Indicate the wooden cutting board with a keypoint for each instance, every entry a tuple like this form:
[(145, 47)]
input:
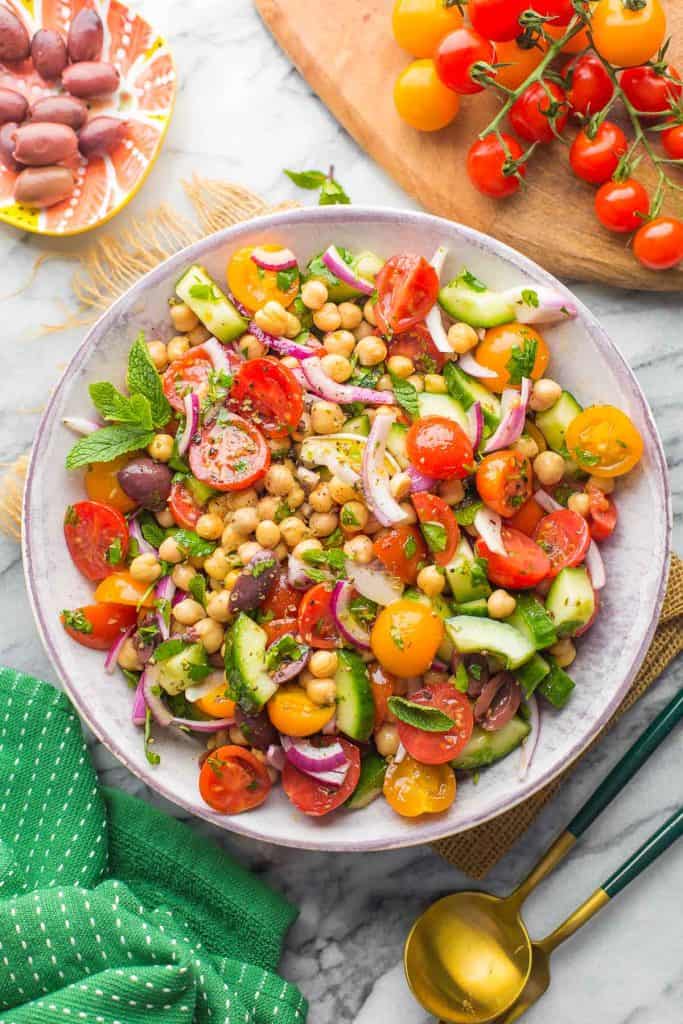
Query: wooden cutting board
[(346, 52)]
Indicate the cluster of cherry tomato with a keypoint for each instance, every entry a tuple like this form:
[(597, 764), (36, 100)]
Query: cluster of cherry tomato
[(618, 53)]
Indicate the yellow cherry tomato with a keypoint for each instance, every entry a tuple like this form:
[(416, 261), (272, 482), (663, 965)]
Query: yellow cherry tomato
[(627, 34), (412, 788), (603, 441), (517, 62), (421, 98), (509, 347), (406, 636), (420, 25), (294, 714), (121, 588), (101, 484), (216, 703), (253, 286)]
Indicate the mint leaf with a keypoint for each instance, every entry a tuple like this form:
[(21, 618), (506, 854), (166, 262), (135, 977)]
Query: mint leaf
[(307, 179), (409, 546), (421, 717), (192, 545), (332, 194), (112, 405), (169, 648), (142, 379), (107, 444), (466, 512), (197, 587), (406, 395), (334, 559), (151, 531), (521, 361), (435, 535)]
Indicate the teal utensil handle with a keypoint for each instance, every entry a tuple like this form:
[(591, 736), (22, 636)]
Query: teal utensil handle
[(660, 841), (634, 758)]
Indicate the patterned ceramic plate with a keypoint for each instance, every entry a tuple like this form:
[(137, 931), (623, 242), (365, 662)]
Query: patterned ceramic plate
[(145, 99)]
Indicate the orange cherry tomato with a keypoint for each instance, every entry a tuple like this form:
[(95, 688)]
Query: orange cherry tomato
[(509, 348), (406, 636), (121, 588), (439, 526), (421, 98), (401, 550), (527, 517), (101, 484), (504, 481), (420, 25), (603, 441), (316, 622), (412, 788), (293, 713), (519, 62), (253, 286), (233, 780), (626, 34), (383, 685), (98, 625), (216, 704), (439, 747)]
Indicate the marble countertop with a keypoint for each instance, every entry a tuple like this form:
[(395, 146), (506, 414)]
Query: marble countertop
[(345, 950)]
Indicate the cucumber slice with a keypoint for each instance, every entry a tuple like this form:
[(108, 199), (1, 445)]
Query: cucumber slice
[(553, 423), (486, 747), (476, 306), (479, 608), (200, 491), (531, 619), (372, 771), (175, 673), (465, 575), (571, 600), (396, 444), (358, 425), (355, 705), (215, 310), (245, 665), (442, 405), (467, 391), (346, 448), (529, 676), (557, 686), (471, 635)]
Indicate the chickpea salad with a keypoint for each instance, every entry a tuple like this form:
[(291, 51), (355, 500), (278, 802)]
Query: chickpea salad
[(344, 526)]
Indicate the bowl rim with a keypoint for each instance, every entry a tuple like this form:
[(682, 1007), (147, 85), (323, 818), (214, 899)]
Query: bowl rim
[(426, 831)]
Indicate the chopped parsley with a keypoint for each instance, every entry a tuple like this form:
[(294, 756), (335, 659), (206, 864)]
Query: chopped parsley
[(363, 610), (284, 649), (169, 648), (282, 511), (409, 546), (586, 458), (530, 298), (460, 679), (114, 553), (192, 545), (348, 516), (205, 292), (151, 756), (436, 536), (522, 360), (397, 638), (475, 671), (286, 279), (77, 621), (479, 572), (197, 587), (258, 568), (472, 281), (321, 563)]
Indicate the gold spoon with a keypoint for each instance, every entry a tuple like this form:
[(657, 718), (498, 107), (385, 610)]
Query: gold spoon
[(469, 959)]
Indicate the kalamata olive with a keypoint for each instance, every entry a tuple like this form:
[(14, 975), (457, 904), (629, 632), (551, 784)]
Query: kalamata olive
[(42, 143), (147, 482), (498, 701), (100, 136), (60, 110), (258, 730), (14, 40), (91, 78), (477, 673), (254, 582), (7, 132), (86, 35), (43, 186), (13, 106), (48, 51)]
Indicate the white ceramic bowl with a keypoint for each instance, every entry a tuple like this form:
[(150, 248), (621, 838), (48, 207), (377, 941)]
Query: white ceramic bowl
[(584, 359)]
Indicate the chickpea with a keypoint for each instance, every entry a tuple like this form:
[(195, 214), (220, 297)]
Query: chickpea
[(400, 485), (435, 384), (363, 331), (371, 351), (604, 484), (158, 354), (279, 480), (198, 335), (322, 524), (401, 366), (217, 565), (359, 548), (231, 539), (386, 739), (563, 652), (296, 497), (462, 338), (251, 347), (323, 663), (272, 318), (280, 551), (549, 468), (409, 513), (237, 736), (369, 312), (303, 427), (218, 606), (339, 491), (267, 507), (339, 343), (247, 551), (326, 417), (310, 544), (452, 491), (177, 347), (544, 394), (188, 612), (145, 568), (268, 534), (418, 382), (183, 318), (321, 691), (293, 530), (354, 516), (337, 368), (217, 739), (384, 384), (314, 294), (320, 498), (165, 518), (245, 520), (181, 576), (128, 656), (209, 526), (290, 362), (231, 579), (210, 633), (430, 581), (501, 604), (351, 315), (327, 318), (293, 325), (170, 552), (526, 446), (161, 447), (579, 503)]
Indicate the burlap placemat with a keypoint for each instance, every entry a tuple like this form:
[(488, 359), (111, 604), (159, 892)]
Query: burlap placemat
[(108, 266)]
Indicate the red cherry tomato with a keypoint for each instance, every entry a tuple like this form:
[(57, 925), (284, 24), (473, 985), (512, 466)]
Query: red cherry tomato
[(497, 19), (417, 345), (401, 550), (649, 90), (282, 600), (596, 159), (97, 538), (268, 394), (622, 205), (315, 619), (407, 288), (98, 625), (658, 245), (383, 685), (538, 117), (489, 165), (561, 11), (440, 448), (433, 511), (602, 519), (504, 481), (184, 508), (439, 747), (233, 780), (523, 566), (230, 454), (316, 798), (672, 140), (457, 53), (277, 628), (527, 517), (564, 536), (591, 87), (191, 372)]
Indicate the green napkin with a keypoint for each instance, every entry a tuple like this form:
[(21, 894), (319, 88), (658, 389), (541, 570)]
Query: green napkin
[(111, 912)]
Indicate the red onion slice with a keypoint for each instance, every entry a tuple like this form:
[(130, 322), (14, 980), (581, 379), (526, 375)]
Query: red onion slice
[(283, 259), (595, 566), (284, 346), (420, 482), (317, 761), (342, 470), (160, 712), (513, 416), (165, 590), (221, 357), (374, 476), (488, 525), (324, 387), (470, 365), (135, 533), (531, 742), (191, 407), (350, 629), (111, 661), (475, 423), (547, 306), (336, 265), (207, 686), (297, 573), (330, 728), (434, 320), (546, 501), (80, 425), (204, 725), (139, 710), (275, 757), (374, 583)]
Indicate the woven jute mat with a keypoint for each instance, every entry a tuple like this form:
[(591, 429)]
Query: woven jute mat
[(108, 266)]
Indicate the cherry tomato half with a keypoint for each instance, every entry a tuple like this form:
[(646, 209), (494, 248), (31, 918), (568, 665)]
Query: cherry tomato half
[(658, 245), (417, 345), (233, 780), (602, 518), (591, 87), (439, 747), (596, 159), (293, 713), (98, 625), (512, 351), (267, 393), (422, 100), (626, 34), (253, 286), (401, 550), (101, 484), (457, 54), (527, 517), (672, 140), (316, 622), (97, 538), (183, 506), (603, 441), (407, 288), (383, 685), (622, 205), (497, 19), (523, 566), (439, 447), (650, 90), (406, 636), (504, 481), (411, 788), (420, 25), (316, 798), (121, 588), (537, 116), (492, 165), (216, 704), (282, 600), (191, 372), (564, 536), (439, 526), (231, 454)]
